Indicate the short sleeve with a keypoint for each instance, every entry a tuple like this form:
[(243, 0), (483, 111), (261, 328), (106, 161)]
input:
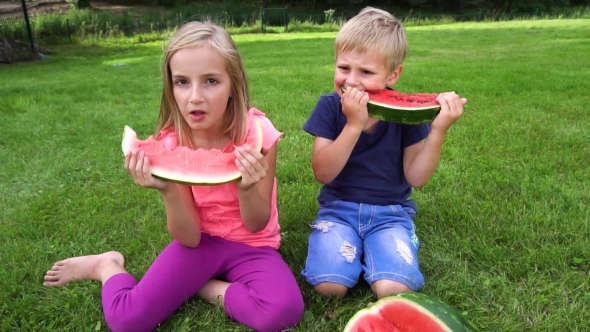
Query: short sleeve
[(270, 134), (412, 134), (168, 138), (323, 119)]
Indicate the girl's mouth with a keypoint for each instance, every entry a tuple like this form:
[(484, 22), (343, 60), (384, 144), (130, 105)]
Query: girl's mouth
[(196, 115)]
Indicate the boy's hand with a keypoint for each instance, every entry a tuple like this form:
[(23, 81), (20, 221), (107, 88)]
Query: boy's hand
[(451, 109), (138, 166), (354, 105), (253, 166)]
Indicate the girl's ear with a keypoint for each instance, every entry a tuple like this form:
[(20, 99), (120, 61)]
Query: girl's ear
[(394, 76)]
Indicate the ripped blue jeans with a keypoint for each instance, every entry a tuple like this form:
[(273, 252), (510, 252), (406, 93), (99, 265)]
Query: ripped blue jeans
[(350, 238)]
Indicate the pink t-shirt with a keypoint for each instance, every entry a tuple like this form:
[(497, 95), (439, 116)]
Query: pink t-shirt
[(218, 206)]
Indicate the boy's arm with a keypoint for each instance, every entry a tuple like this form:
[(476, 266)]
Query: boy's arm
[(421, 159), (329, 157)]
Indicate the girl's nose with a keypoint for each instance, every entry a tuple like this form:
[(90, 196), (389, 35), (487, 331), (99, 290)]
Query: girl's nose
[(196, 96)]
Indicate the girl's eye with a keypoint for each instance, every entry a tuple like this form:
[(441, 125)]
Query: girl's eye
[(211, 81), (180, 81)]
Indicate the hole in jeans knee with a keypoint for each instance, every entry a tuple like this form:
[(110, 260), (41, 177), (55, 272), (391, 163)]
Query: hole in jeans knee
[(348, 251), (404, 251), (323, 226)]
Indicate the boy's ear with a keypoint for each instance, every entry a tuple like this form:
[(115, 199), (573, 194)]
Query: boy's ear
[(394, 76)]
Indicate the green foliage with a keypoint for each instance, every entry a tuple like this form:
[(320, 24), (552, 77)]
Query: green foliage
[(79, 4), (503, 223)]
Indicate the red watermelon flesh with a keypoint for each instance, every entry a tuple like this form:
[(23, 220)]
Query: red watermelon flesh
[(188, 166), (399, 100), (412, 311)]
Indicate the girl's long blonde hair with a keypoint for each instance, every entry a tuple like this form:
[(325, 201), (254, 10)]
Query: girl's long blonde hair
[(206, 34)]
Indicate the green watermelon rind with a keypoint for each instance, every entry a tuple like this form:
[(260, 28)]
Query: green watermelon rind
[(411, 116), (440, 312), (129, 135)]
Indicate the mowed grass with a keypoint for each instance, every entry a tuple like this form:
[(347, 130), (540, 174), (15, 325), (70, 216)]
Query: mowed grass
[(503, 223)]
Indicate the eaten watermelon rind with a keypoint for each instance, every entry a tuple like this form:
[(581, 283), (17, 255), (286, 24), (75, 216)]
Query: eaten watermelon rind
[(447, 318), (129, 137)]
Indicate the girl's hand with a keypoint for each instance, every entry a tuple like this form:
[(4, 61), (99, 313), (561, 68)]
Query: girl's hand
[(451, 109), (354, 106), (252, 165), (138, 166)]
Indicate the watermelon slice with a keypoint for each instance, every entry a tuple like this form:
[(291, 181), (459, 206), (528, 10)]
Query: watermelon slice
[(188, 166), (416, 312), (395, 106)]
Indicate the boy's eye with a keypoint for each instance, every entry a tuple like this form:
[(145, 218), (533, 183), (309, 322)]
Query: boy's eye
[(343, 67), (366, 72)]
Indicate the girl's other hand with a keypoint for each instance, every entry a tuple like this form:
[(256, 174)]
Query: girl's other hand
[(138, 166), (252, 165)]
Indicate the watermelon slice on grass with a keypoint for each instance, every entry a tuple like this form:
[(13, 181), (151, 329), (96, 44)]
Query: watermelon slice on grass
[(416, 312), (188, 166)]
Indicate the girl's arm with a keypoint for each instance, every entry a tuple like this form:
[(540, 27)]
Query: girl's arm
[(181, 216), (255, 187)]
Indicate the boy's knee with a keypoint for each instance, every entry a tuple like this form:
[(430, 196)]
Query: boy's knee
[(384, 287), (331, 289)]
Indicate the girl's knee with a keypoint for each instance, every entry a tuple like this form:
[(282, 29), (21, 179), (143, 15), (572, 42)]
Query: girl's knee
[(282, 313), (331, 289), (384, 287)]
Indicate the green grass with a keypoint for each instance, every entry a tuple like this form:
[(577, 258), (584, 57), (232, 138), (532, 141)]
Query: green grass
[(504, 221)]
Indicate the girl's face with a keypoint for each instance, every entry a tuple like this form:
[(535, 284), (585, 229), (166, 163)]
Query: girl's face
[(201, 87), (364, 71)]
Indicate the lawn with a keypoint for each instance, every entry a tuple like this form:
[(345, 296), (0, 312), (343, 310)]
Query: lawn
[(504, 223)]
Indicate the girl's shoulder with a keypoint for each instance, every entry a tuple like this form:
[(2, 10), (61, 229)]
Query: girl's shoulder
[(168, 137), (270, 134)]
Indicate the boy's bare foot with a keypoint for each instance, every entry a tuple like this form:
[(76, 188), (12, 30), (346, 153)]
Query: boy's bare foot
[(93, 267)]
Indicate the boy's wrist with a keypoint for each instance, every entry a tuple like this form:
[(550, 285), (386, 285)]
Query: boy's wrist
[(354, 128)]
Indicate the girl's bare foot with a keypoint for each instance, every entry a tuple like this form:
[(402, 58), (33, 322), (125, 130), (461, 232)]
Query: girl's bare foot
[(94, 267)]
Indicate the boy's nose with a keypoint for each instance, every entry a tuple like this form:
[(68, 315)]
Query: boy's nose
[(352, 81)]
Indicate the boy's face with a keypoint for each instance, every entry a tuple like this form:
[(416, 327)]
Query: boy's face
[(363, 71)]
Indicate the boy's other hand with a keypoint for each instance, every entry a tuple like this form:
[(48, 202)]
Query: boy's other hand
[(354, 105), (451, 109)]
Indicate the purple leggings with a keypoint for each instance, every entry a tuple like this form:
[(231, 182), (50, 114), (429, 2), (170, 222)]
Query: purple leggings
[(263, 294)]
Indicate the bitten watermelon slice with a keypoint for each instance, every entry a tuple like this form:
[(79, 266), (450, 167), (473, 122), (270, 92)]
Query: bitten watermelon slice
[(188, 166), (416, 312), (395, 106)]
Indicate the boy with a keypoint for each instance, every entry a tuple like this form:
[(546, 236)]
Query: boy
[(368, 167)]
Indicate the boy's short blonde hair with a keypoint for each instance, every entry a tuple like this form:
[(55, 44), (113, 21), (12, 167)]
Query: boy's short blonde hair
[(374, 31)]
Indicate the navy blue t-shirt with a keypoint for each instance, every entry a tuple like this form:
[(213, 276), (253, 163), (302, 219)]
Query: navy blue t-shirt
[(374, 173)]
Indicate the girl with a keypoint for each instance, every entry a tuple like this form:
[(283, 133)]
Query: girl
[(225, 237)]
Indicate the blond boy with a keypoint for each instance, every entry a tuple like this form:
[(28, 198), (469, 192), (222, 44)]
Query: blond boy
[(369, 167)]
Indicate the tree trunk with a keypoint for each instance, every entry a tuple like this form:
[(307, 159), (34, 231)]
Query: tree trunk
[(291, 3), (509, 9), (264, 3)]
